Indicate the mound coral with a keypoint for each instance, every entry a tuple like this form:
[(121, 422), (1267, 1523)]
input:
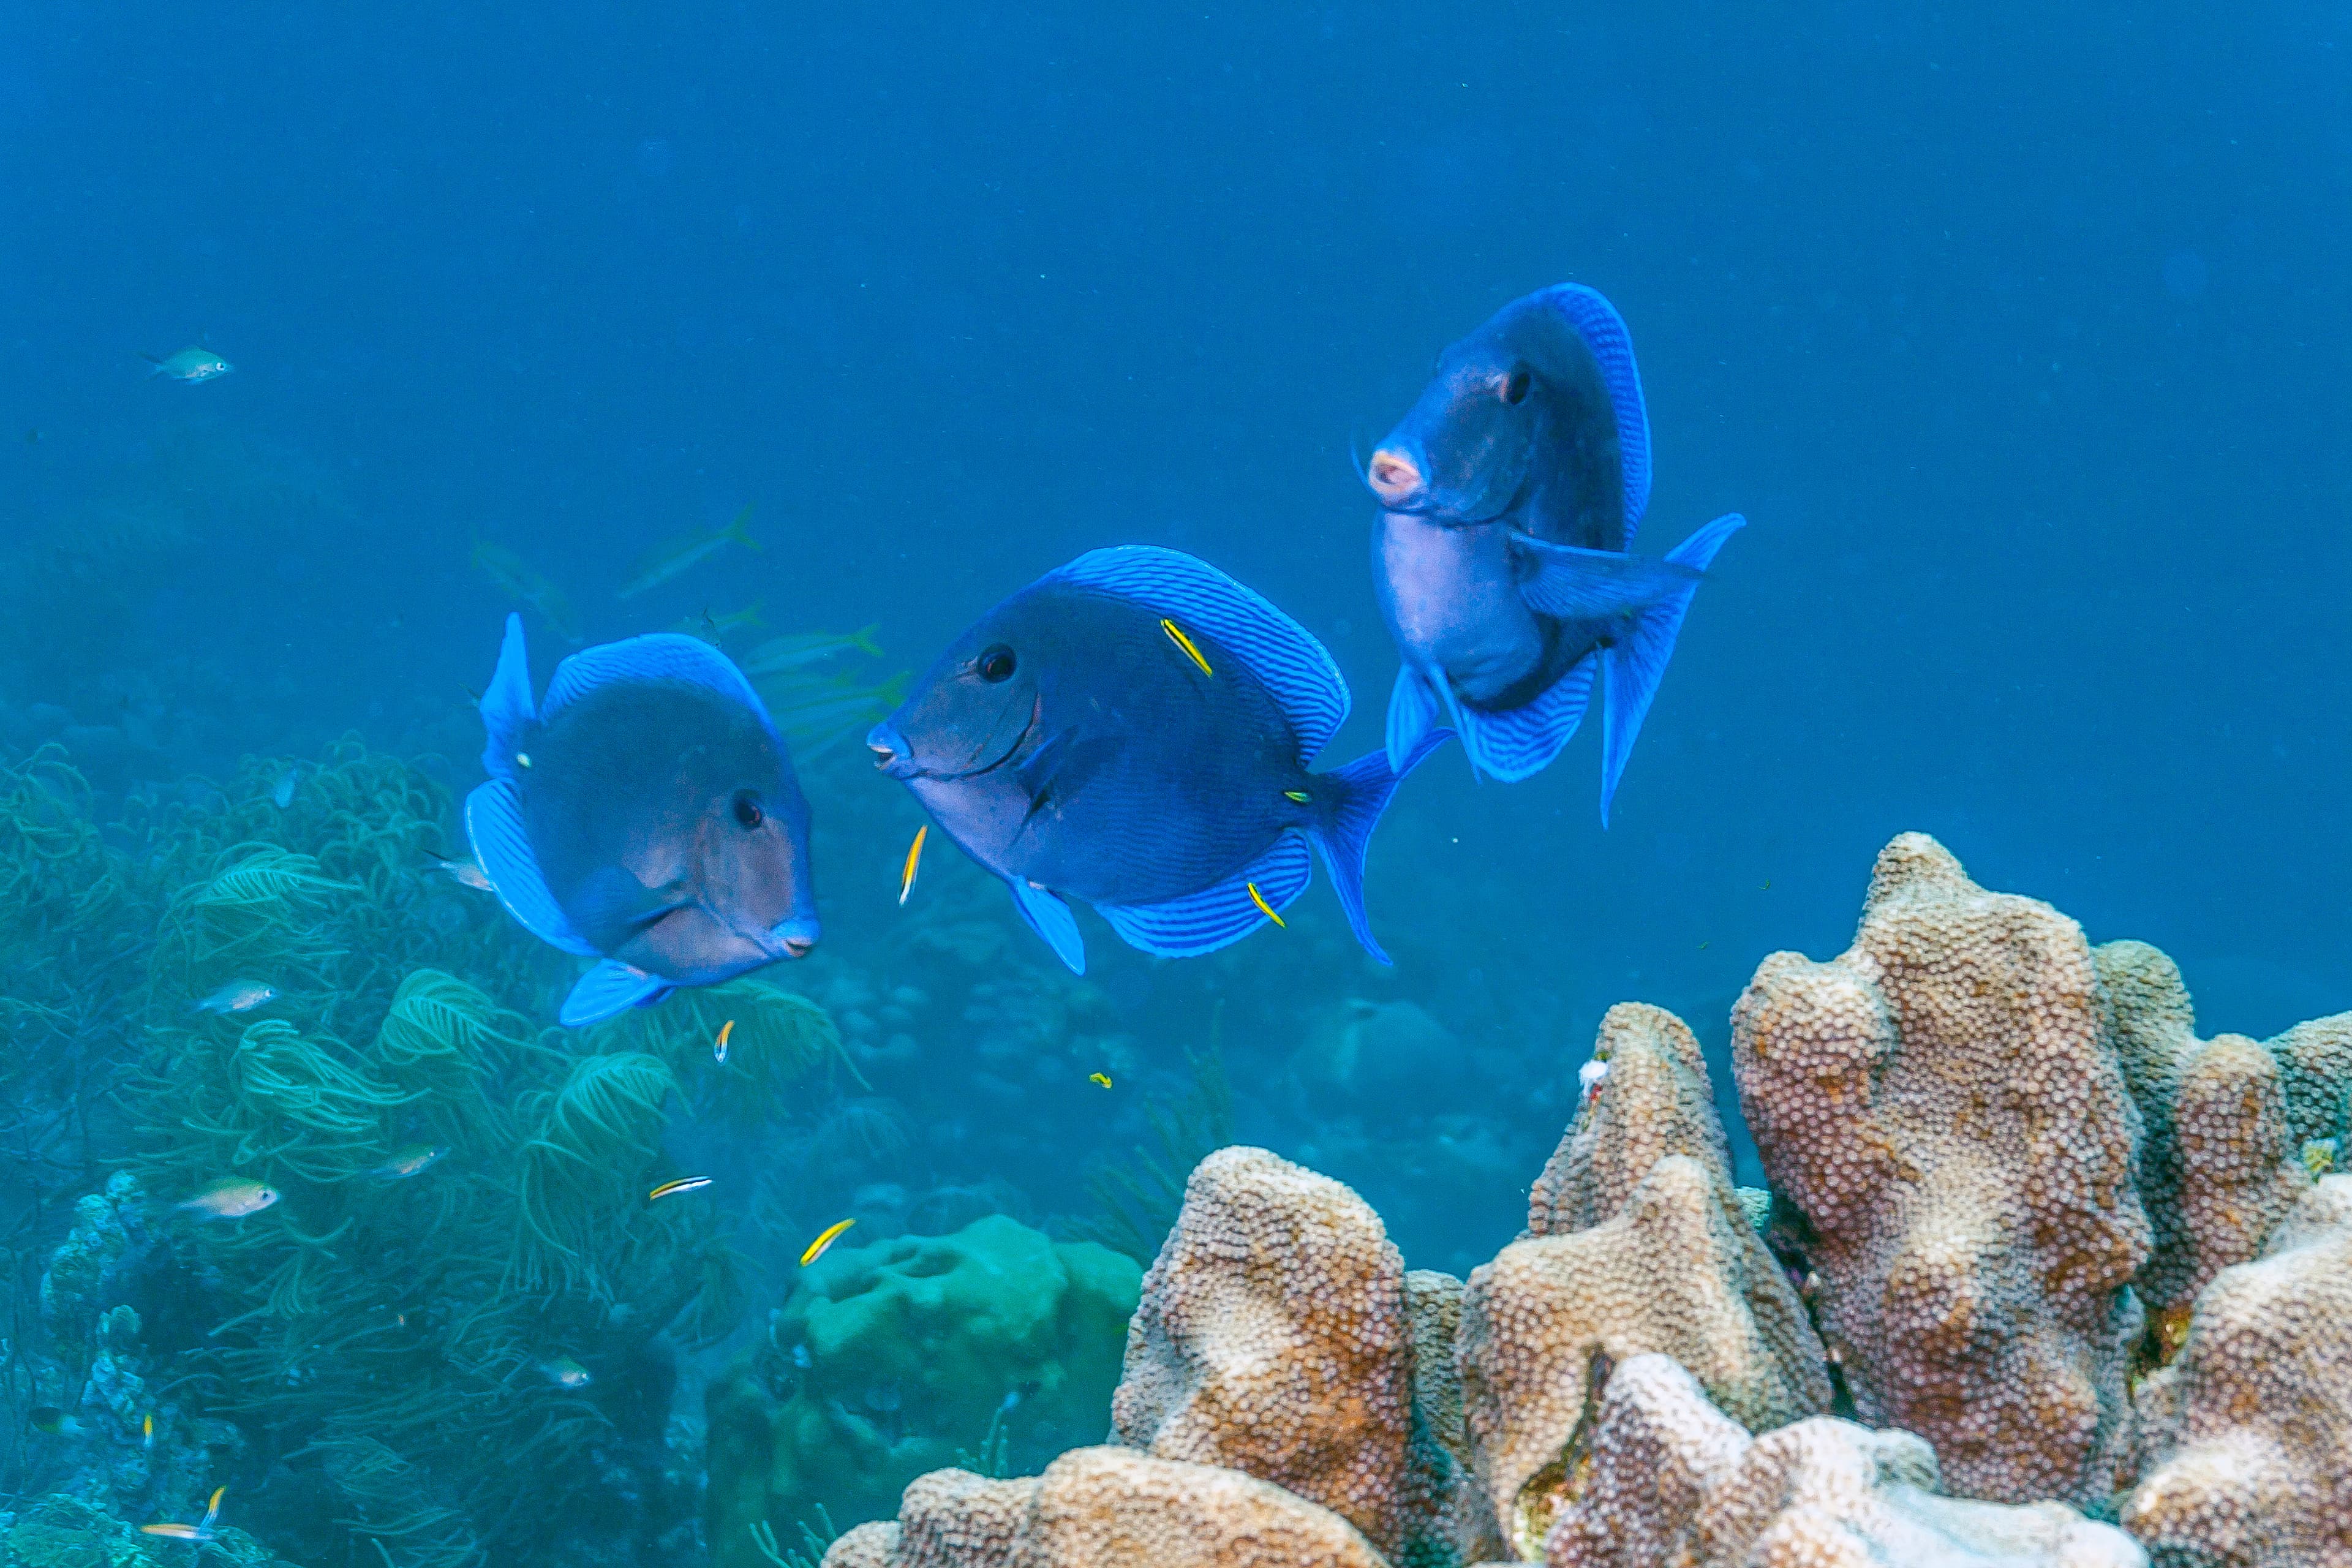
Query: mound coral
[(1637, 1241), (891, 1357), (1943, 1105), (2249, 1433), (1673, 1479)]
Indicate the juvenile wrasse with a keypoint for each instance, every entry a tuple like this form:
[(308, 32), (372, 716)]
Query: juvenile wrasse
[(816, 1248)]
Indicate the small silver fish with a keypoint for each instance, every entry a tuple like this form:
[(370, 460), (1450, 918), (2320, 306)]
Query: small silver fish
[(288, 783), (231, 1199), (565, 1373), (676, 556), (239, 997), (466, 873), (409, 1162), (190, 365)]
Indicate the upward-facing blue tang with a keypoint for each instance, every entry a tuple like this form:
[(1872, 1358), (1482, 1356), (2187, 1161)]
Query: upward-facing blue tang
[(1133, 731), (1509, 496), (646, 814)]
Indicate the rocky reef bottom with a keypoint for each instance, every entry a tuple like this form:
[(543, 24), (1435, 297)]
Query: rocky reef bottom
[(2040, 1279)]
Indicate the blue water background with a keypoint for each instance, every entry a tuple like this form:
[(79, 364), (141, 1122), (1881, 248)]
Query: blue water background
[(2019, 339)]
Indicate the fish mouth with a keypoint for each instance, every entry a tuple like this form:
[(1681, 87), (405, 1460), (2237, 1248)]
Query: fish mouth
[(895, 759), (1416, 497)]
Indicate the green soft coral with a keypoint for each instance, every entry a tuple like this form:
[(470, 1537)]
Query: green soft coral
[(912, 1348)]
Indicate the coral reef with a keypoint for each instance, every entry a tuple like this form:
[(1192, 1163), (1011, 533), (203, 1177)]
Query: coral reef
[(1942, 1104), (1673, 1479), (2220, 1164), (1637, 1241), (890, 1358), (2248, 1434), (1106, 1508)]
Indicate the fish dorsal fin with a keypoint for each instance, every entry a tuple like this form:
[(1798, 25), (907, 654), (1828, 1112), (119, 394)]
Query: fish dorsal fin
[(1596, 320), (656, 655), (1283, 655), (1221, 914), (494, 824), (609, 990), (506, 703)]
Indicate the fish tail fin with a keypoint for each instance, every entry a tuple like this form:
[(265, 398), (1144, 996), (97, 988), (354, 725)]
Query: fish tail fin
[(739, 530), (1355, 796), (506, 705), (1632, 668), (862, 639)]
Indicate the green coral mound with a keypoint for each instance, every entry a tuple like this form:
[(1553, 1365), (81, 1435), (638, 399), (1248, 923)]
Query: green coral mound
[(908, 1355)]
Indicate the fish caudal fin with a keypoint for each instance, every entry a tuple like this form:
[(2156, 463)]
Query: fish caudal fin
[(739, 530), (1361, 792), (1050, 918), (507, 707), (1413, 713), (609, 990), (1517, 742), (1219, 915), (1632, 667), (495, 828)]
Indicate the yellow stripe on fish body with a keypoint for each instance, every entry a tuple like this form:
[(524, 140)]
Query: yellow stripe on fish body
[(1101, 1078), (1267, 910), (1176, 634), (683, 1184), (816, 1248), (914, 859)]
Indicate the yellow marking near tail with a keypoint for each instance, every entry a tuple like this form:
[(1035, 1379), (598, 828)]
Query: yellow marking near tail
[(1300, 796), (914, 858), (1259, 899), (816, 1248), (1176, 634)]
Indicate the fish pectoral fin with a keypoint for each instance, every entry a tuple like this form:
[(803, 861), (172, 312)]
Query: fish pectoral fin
[(1572, 584), (1050, 918), (1221, 914), (613, 906), (503, 848), (1058, 769), (1413, 713), (609, 990)]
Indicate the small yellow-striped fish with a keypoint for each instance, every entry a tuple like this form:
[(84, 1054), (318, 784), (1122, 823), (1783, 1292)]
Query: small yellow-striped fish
[(1264, 908), (683, 1184), (718, 1046), (1176, 634), (816, 1248), (202, 1531), (914, 859), (1103, 1078)]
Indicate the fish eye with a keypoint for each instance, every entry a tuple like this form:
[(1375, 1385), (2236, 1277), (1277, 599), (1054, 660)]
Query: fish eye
[(1514, 387), (996, 664), (747, 808)]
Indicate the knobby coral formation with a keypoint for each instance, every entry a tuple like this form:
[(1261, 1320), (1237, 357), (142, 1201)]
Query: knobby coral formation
[(1637, 1241), (2249, 1433), (1943, 1105), (1673, 1479)]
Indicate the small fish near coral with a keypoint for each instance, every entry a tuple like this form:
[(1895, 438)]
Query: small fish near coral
[(1510, 495), (190, 367), (826, 1238), (238, 997), (527, 587), (281, 794), (52, 1422), (199, 1532), (232, 1199), (466, 873), (914, 862), (682, 1184), (679, 555), (410, 1162), (718, 1046), (565, 1373), (1078, 747), (645, 815)]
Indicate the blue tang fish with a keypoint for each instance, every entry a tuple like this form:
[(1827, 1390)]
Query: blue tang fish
[(1509, 496), (1133, 731), (646, 814)]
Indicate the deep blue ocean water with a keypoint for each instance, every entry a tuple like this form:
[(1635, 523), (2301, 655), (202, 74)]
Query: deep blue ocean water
[(2018, 338)]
